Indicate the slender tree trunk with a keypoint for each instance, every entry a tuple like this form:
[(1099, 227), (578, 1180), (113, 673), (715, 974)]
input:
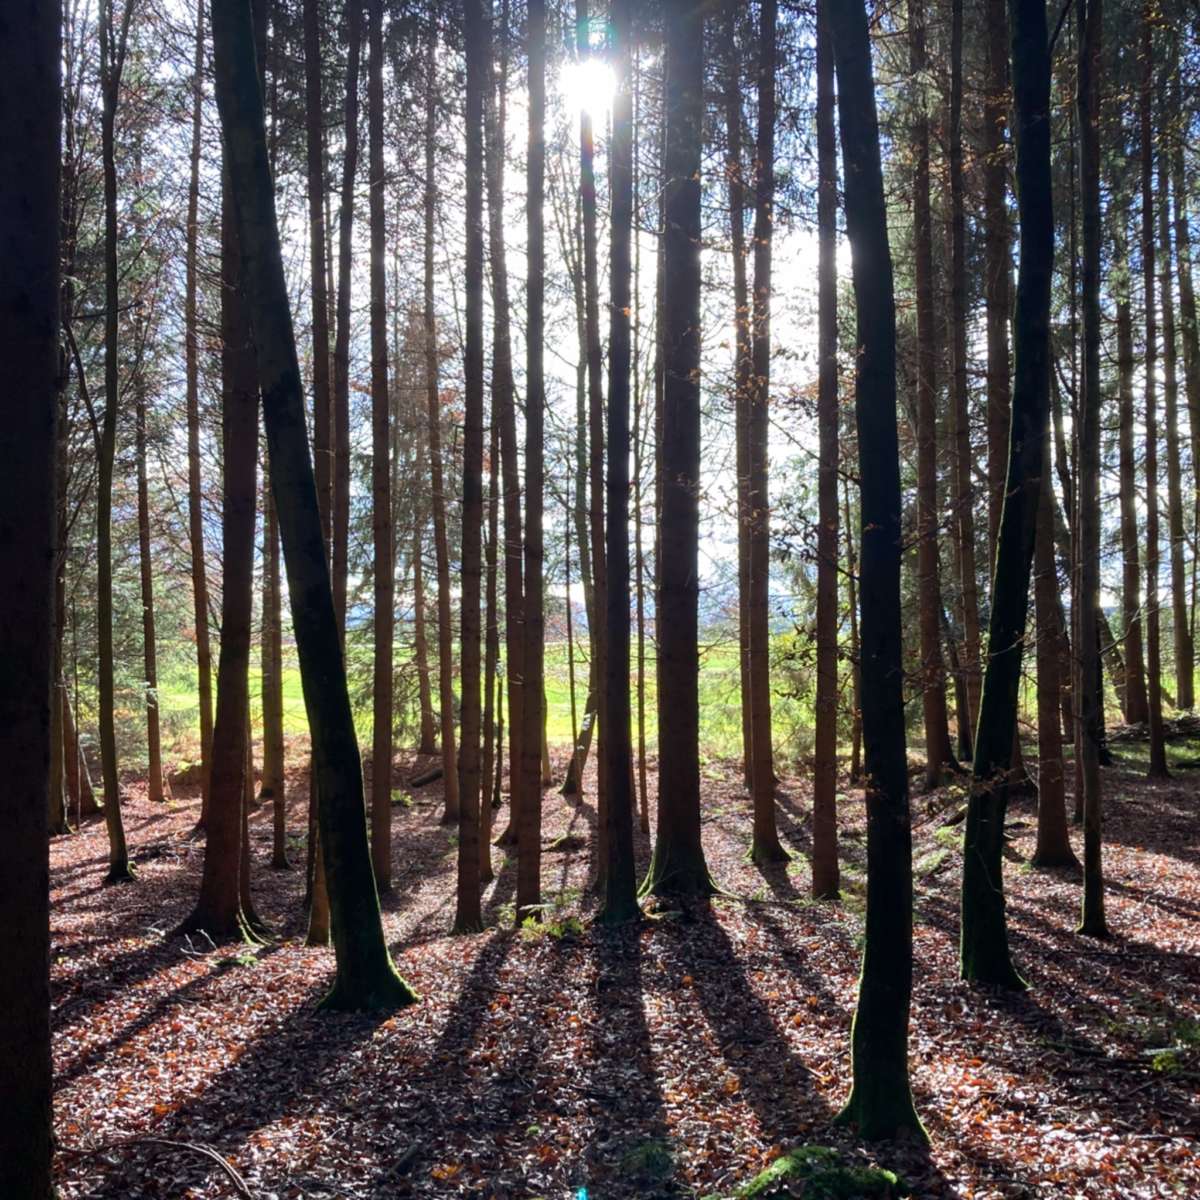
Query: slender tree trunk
[(491, 767), (825, 873), (678, 866), (30, 211), (880, 1101), (856, 724), (274, 786), (960, 425), (191, 343), (938, 755), (450, 811), (468, 918), (620, 897), (984, 948), (366, 978), (428, 737), (154, 776), (113, 43), (529, 812), (1053, 842), (1088, 529), (79, 781), (381, 475), (341, 345), (1158, 753), (504, 410), (1185, 656), (742, 367)]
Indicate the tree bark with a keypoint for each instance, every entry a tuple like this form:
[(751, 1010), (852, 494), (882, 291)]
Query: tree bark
[(678, 866), (274, 787), (939, 758), (880, 1101), (30, 154), (984, 947), (529, 812), (825, 872), (366, 978)]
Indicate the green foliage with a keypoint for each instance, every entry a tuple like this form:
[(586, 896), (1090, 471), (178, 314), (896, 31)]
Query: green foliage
[(648, 1161), (817, 1173)]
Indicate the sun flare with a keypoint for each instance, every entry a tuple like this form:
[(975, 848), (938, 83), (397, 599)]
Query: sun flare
[(589, 86)]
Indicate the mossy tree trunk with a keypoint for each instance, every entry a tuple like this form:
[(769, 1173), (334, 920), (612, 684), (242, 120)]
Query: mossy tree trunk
[(366, 978), (880, 1102)]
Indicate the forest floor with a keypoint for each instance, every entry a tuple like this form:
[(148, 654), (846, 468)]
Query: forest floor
[(676, 1060)]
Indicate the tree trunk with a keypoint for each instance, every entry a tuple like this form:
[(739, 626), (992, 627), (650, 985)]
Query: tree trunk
[(1185, 656), (191, 342), (529, 811), (939, 758), (381, 475), (341, 345), (856, 727), (491, 767), (30, 153), (78, 780), (112, 61), (678, 866), (620, 896), (366, 978), (960, 421), (504, 413), (468, 917), (880, 1101), (984, 950), (825, 873), (1088, 532), (274, 786), (765, 845), (428, 735), (1158, 753), (154, 776)]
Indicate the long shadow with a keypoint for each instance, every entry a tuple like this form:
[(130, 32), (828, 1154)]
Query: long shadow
[(623, 1086)]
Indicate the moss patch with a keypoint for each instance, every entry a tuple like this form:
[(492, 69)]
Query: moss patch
[(818, 1173)]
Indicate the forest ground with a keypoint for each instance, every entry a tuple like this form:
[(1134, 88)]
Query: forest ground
[(674, 1060)]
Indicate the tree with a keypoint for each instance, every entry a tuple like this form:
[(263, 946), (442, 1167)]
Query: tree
[(441, 540), (1088, 520), (30, 84), (366, 978), (984, 956), (765, 847), (381, 475), (677, 866), (529, 810), (620, 896), (467, 917), (938, 755), (825, 872), (880, 1101), (274, 786), (114, 41)]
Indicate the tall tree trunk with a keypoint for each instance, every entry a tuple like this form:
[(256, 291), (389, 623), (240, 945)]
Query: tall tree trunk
[(1185, 655), (274, 787), (491, 767), (620, 897), (450, 811), (825, 873), (938, 755), (381, 475), (880, 1101), (1053, 842), (113, 43), (742, 366), (678, 866), (79, 781), (1158, 753), (366, 978), (529, 810), (154, 775), (504, 412), (1134, 699), (341, 344), (856, 724), (191, 342), (960, 421), (468, 917), (428, 735), (30, 154), (765, 845), (1088, 530), (984, 949)]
